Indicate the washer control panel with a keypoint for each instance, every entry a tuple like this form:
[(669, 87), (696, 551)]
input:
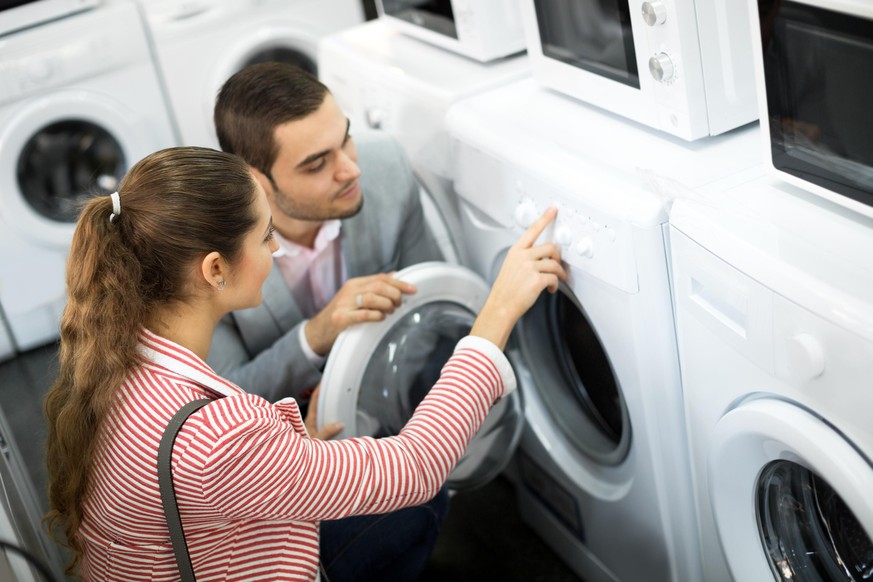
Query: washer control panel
[(589, 240), (60, 54)]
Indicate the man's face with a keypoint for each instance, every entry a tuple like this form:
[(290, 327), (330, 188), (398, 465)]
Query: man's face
[(315, 175)]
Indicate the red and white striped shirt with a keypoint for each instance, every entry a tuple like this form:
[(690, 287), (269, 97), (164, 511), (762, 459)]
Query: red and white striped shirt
[(250, 484)]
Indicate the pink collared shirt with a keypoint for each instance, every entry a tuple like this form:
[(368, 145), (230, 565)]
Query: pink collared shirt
[(313, 275)]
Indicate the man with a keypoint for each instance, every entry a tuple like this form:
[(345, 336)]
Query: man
[(342, 229)]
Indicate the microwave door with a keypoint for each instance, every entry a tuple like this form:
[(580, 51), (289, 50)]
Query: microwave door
[(594, 35), (818, 72), (434, 15)]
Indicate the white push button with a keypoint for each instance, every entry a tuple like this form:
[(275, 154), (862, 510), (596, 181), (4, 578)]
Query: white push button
[(563, 236), (585, 247), (525, 214)]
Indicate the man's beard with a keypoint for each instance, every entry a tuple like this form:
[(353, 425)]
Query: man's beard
[(307, 212)]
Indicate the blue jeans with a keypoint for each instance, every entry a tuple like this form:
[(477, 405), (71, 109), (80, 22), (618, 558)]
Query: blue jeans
[(391, 547)]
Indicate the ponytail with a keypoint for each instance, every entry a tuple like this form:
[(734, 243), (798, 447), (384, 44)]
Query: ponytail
[(99, 331)]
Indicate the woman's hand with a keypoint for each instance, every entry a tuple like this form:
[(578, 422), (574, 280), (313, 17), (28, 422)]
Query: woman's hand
[(526, 271), (328, 431)]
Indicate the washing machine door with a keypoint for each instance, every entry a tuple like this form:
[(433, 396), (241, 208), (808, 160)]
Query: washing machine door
[(577, 389), (60, 150), (791, 496), (377, 373)]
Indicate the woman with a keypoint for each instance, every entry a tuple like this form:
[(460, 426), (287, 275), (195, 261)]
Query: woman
[(152, 268)]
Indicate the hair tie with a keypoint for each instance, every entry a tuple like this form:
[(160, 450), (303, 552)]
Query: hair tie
[(116, 206)]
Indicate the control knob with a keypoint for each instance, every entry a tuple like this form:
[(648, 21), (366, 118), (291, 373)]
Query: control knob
[(654, 12), (585, 247), (661, 67), (40, 70), (563, 236), (805, 357), (525, 213)]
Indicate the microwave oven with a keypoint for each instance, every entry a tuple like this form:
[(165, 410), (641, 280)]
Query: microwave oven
[(681, 66), (814, 61), (483, 30)]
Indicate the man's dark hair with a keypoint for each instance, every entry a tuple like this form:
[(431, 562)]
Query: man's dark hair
[(256, 100)]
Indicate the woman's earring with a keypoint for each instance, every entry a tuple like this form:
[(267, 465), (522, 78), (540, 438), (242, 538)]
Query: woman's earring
[(222, 284)]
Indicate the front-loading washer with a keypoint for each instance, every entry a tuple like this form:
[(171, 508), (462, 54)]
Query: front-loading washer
[(386, 80), (774, 314), (604, 474), (602, 469), (80, 102), (199, 44)]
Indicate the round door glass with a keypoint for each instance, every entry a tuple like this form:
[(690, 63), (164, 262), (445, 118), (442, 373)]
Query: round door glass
[(64, 164), (808, 531), (282, 54), (574, 377), (406, 364)]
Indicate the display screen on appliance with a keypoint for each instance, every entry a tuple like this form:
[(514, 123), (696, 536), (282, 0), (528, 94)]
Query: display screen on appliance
[(818, 69), (594, 35), (434, 15)]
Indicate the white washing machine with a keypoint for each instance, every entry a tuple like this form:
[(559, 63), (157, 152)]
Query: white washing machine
[(80, 102), (602, 470), (200, 43), (774, 311), (387, 80)]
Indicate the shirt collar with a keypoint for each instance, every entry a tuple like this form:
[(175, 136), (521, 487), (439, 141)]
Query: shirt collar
[(328, 232), (184, 362)]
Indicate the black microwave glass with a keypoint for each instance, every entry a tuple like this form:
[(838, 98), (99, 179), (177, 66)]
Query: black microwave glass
[(594, 35), (7, 4), (430, 14), (818, 71)]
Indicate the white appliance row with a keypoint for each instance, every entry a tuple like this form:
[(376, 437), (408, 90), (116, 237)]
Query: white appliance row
[(91, 86), (762, 470), (601, 465)]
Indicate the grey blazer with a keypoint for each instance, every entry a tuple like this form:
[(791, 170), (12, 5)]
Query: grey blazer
[(259, 348)]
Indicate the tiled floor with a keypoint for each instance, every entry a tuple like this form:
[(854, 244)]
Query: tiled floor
[(483, 537)]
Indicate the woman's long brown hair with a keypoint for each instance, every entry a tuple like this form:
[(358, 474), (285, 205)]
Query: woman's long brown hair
[(177, 205)]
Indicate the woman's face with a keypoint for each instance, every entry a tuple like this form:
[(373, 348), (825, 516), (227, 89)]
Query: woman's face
[(256, 259)]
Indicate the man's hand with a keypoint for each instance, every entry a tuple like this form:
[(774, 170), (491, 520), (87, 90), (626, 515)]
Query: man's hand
[(358, 300), (328, 431)]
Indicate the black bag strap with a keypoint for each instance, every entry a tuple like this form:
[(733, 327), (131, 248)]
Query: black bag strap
[(168, 494)]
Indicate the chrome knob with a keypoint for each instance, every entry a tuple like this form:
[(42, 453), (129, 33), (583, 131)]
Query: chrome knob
[(661, 67), (654, 12)]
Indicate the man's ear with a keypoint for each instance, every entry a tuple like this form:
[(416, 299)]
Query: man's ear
[(214, 270)]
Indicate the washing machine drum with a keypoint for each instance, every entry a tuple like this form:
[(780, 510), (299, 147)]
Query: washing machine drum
[(377, 373), (65, 163), (808, 531), (574, 378)]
